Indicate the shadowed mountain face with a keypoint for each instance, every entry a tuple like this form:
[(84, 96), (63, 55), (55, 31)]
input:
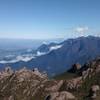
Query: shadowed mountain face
[(59, 57)]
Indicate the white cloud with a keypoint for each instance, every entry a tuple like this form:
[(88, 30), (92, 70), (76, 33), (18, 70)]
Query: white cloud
[(40, 53), (55, 47), (81, 29)]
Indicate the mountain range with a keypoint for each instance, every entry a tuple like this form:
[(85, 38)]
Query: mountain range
[(54, 58)]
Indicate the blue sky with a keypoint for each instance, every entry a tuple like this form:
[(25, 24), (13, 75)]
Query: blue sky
[(40, 19)]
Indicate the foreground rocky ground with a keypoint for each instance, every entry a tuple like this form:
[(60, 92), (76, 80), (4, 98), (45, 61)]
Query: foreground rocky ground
[(78, 83)]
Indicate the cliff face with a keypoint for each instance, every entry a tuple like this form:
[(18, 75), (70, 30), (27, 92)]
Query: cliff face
[(24, 84)]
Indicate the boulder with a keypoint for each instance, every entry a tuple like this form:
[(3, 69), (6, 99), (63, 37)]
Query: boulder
[(93, 91), (64, 95), (95, 88)]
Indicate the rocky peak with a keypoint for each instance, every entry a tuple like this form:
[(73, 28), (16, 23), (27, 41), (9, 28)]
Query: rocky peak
[(6, 72), (22, 84), (75, 68)]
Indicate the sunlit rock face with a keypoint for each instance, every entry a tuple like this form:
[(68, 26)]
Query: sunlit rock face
[(22, 84), (25, 84), (62, 96), (7, 72), (93, 91)]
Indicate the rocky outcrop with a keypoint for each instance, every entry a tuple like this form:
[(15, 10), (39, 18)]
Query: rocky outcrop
[(61, 96), (55, 87), (20, 85), (92, 66), (95, 88), (75, 68), (88, 70), (74, 83), (26, 84), (93, 92), (7, 72), (87, 73)]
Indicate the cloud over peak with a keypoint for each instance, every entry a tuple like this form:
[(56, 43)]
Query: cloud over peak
[(81, 29)]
